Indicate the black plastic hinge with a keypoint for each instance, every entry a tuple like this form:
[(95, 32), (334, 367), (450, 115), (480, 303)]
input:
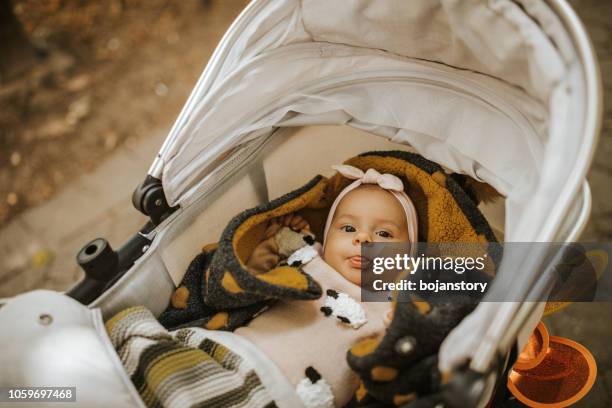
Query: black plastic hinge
[(149, 199)]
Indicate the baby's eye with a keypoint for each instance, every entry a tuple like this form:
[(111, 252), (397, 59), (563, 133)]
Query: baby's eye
[(347, 228), (384, 234)]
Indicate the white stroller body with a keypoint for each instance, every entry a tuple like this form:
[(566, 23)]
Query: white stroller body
[(506, 92)]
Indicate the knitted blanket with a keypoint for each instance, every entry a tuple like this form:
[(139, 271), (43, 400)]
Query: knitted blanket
[(217, 291), (182, 368)]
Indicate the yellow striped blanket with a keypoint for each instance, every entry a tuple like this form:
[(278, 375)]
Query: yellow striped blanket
[(182, 368)]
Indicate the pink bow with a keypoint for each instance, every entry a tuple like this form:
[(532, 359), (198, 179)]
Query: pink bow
[(371, 176)]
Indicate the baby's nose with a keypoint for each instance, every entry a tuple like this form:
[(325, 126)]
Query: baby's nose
[(361, 237)]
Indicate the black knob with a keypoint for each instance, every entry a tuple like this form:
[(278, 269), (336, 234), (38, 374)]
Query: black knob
[(98, 260)]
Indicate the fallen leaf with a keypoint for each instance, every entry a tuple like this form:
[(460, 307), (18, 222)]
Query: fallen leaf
[(78, 110), (52, 128), (78, 83), (110, 140), (12, 199), (41, 257), (15, 159)]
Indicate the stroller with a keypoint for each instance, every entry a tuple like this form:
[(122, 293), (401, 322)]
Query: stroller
[(506, 92)]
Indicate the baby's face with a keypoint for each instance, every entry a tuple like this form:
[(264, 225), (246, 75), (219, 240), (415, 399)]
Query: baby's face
[(366, 214)]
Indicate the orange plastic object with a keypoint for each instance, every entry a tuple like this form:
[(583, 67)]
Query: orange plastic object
[(535, 350), (565, 375)]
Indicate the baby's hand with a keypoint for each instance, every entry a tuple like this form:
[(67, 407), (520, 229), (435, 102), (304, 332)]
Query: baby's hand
[(266, 254), (293, 221)]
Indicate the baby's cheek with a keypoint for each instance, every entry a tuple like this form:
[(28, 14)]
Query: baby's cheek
[(331, 257), (328, 257), (336, 250)]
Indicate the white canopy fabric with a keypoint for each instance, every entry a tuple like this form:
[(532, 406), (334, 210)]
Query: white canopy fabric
[(495, 89)]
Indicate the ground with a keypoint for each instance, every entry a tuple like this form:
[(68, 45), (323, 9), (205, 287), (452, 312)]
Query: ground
[(78, 132), (109, 73)]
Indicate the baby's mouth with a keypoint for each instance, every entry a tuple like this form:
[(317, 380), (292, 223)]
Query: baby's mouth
[(358, 261)]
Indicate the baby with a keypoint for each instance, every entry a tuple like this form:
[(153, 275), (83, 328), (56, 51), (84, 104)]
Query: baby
[(295, 353), (296, 334)]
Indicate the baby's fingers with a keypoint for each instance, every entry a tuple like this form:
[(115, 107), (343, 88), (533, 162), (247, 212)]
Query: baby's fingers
[(298, 223), (272, 229), (291, 220), (287, 219)]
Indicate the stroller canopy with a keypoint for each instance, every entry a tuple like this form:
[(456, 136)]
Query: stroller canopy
[(506, 92), (493, 89)]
